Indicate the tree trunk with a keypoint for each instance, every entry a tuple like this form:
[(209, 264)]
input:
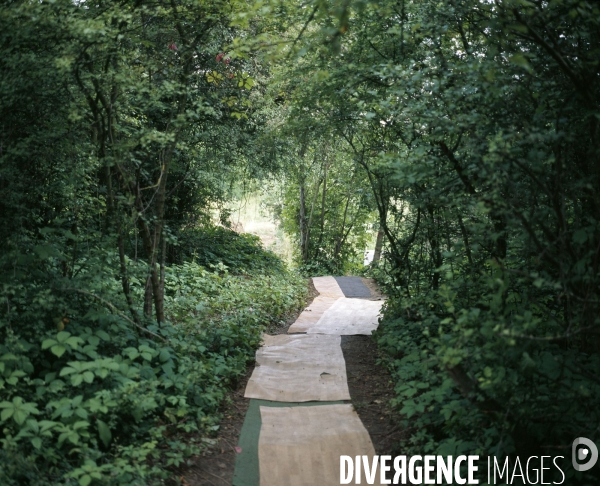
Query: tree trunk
[(465, 236), (322, 229), (152, 290), (343, 234), (436, 256), (310, 218), (302, 222), (378, 246)]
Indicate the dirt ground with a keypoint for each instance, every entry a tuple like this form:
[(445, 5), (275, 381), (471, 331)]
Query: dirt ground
[(372, 286), (370, 387)]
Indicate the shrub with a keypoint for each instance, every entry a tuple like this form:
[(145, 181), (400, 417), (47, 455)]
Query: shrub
[(87, 396)]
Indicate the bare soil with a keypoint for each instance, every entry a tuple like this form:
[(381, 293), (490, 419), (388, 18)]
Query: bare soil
[(371, 390), (376, 294)]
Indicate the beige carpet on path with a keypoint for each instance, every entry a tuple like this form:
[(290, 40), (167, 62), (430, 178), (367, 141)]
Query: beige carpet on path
[(311, 315), (301, 446), (299, 368), (327, 287), (347, 317)]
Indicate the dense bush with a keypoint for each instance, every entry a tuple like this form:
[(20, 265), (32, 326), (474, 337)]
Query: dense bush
[(89, 396), (122, 126), (477, 125), (210, 244)]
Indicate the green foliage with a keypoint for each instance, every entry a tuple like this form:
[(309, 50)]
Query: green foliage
[(238, 252), (102, 400), (227, 298), (319, 268), (114, 143), (470, 129), (328, 209), (477, 126)]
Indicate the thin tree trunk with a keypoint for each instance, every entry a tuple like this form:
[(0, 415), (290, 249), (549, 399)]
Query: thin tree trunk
[(152, 290), (125, 278), (163, 256), (310, 216), (157, 243), (378, 246), (111, 217), (302, 222), (135, 253), (465, 236), (322, 229), (148, 297), (342, 237), (436, 256)]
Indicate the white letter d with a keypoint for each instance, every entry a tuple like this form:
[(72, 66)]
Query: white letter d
[(346, 461)]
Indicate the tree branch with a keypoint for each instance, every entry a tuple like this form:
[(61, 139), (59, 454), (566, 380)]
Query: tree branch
[(114, 310)]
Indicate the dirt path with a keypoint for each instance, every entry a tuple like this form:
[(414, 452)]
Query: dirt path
[(370, 390)]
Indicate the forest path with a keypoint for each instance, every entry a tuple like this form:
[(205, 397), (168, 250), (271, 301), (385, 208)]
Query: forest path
[(299, 419)]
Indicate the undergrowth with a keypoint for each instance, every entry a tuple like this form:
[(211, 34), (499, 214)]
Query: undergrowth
[(90, 398)]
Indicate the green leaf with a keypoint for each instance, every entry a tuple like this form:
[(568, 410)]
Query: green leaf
[(103, 335), (73, 341), (47, 425), (93, 340), (81, 412), (102, 373), (81, 424), (131, 352), (85, 480), (58, 350), (33, 425), (104, 432), (67, 370), (88, 376), (6, 414), (164, 355), (47, 343), (36, 442), (63, 336), (20, 415)]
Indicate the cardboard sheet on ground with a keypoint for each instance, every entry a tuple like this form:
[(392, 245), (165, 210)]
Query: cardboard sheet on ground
[(299, 368), (246, 461), (327, 287), (301, 446), (311, 315), (347, 317)]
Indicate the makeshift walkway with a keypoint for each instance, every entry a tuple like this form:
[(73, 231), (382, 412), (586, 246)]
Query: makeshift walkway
[(299, 421)]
